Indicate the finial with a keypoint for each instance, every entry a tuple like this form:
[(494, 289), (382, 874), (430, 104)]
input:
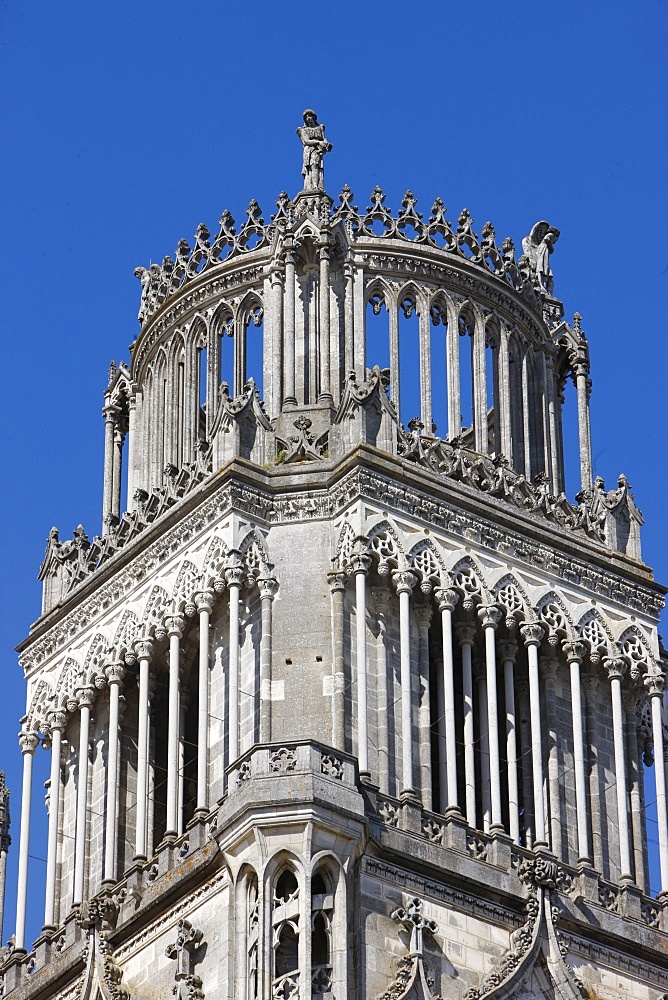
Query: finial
[(315, 146), (112, 372), (577, 319)]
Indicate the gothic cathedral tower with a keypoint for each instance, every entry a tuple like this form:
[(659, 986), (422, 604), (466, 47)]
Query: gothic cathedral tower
[(338, 708)]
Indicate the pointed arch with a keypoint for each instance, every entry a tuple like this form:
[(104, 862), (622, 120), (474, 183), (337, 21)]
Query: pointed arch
[(127, 632), (635, 649), (40, 704), (156, 607), (344, 546), (469, 579), (99, 651), (426, 559), (595, 630), (68, 679), (186, 584), (553, 612), (509, 592), (385, 544), (254, 551), (213, 567)]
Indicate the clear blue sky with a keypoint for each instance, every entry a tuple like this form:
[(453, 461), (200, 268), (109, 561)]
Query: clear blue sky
[(125, 125)]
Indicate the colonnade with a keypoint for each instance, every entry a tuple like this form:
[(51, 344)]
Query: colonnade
[(82, 700), (522, 742)]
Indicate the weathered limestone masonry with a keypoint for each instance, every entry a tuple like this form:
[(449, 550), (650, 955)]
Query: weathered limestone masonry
[(339, 708)]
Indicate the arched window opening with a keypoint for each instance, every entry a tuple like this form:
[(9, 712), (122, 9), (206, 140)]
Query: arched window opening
[(567, 419), (201, 376), (516, 412), (377, 332), (536, 402), (180, 414), (254, 348), (439, 368), (226, 352), (466, 379), (409, 362), (322, 911), (285, 927)]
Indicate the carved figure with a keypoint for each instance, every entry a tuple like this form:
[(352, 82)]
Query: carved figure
[(538, 246), (315, 145)]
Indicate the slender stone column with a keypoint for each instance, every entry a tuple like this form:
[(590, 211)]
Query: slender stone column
[(204, 604), (583, 386), (655, 684), (590, 684), (505, 402), (551, 401), (235, 576), (289, 397), (615, 667), (452, 364), (57, 721), (446, 601), (393, 322), (132, 447), (85, 698), (490, 618), (508, 653), (152, 777), (349, 316), (525, 744), (480, 678), (466, 635), (144, 650), (532, 635), (174, 626), (276, 380), (527, 395), (325, 346), (5, 841), (119, 438), (479, 386), (549, 668), (337, 586), (545, 415), (184, 702), (423, 616), (425, 370), (630, 701), (268, 587), (574, 652), (115, 673), (28, 743), (404, 582), (110, 413), (382, 598), (360, 564)]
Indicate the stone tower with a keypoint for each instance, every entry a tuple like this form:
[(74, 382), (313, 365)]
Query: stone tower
[(341, 708)]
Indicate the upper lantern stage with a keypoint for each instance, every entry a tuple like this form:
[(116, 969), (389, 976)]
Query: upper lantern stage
[(296, 341)]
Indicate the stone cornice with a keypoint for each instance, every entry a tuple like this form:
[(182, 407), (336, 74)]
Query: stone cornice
[(324, 491)]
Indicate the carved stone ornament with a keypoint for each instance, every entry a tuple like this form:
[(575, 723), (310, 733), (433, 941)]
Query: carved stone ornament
[(412, 980), (536, 939), (102, 979), (187, 985)]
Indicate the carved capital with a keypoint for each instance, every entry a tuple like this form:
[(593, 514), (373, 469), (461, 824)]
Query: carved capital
[(404, 581), (85, 696), (174, 625), (490, 616), (615, 667), (465, 634), (446, 599), (204, 601), (508, 651), (423, 615), (655, 684), (336, 580), (144, 649), (590, 685), (532, 634), (235, 576), (57, 719), (28, 742), (115, 673), (574, 651), (549, 668), (268, 587), (360, 562), (382, 597)]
